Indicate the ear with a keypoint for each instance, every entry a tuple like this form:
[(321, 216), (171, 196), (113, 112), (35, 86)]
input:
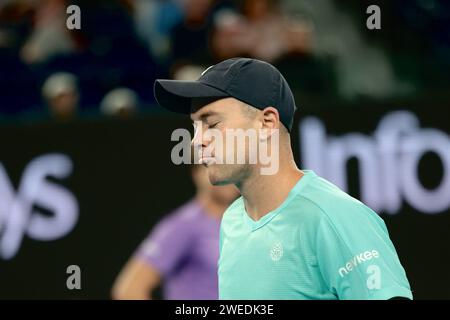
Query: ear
[(270, 121)]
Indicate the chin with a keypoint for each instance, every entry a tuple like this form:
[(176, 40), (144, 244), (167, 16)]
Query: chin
[(217, 177)]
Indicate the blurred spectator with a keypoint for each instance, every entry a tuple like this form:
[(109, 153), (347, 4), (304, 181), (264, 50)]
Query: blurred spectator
[(19, 90), (190, 37), (322, 47), (188, 72), (109, 54), (362, 69), (15, 23), (260, 31), (182, 251), (154, 20), (50, 35), (120, 102), (61, 94)]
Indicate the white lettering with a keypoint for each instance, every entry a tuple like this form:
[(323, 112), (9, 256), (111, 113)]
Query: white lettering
[(17, 215), (357, 260), (388, 161)]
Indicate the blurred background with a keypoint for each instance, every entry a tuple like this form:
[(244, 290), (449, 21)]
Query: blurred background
[(85, 167)]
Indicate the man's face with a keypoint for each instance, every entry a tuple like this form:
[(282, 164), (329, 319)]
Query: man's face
[(64, 105), (220, 115)]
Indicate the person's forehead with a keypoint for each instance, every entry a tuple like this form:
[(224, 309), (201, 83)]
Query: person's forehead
[(201, 108)]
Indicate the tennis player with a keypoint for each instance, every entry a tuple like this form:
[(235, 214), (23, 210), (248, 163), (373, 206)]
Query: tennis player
[(292, 234)]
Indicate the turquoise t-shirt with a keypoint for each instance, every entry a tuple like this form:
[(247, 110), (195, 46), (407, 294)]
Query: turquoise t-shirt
[(320, 243)]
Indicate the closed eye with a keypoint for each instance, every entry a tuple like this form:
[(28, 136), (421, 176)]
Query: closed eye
[(214, 124)]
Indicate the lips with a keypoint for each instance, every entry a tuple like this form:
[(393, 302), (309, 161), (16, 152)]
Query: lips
[(205, 157), (207, 161)]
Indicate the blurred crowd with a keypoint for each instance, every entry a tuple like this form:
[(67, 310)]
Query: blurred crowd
[(108, 66)]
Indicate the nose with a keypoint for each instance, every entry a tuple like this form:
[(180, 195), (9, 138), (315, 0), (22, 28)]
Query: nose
[(201, 138), (197, 140)]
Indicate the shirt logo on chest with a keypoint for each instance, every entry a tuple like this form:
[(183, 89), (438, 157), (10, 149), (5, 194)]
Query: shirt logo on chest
[(276, 252)]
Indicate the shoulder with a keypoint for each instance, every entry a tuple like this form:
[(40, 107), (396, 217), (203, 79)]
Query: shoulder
[(186, 214), (327, 203), (180, 222)]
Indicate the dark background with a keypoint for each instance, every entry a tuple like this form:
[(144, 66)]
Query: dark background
[(124, 182)]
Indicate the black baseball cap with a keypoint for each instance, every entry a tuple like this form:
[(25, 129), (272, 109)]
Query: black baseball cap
[(252, 81)]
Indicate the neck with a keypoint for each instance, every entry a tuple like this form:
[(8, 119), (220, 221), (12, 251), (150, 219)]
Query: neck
[(264, 193), (211, 207)]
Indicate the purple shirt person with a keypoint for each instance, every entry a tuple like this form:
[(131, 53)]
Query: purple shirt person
[(184, 247), (182, 251)]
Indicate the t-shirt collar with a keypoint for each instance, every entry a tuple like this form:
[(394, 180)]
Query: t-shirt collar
[(300, 185)]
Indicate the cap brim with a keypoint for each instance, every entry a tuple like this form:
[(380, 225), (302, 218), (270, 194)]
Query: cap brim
[(176, 95)]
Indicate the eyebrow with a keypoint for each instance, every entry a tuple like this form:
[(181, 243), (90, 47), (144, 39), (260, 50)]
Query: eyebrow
[(207, 114)]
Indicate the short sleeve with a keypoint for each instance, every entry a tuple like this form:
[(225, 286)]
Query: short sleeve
[(357, 259), (166, 245)]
